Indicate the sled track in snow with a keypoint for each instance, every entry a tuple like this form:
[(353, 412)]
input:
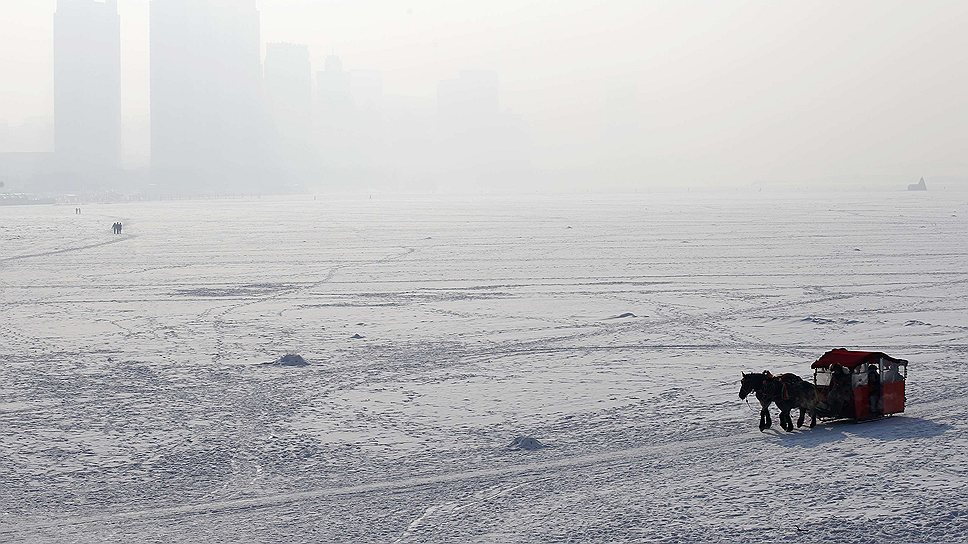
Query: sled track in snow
[(680, 449)]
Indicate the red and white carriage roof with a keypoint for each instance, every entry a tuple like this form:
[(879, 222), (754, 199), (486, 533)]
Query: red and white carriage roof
[(852, 359)]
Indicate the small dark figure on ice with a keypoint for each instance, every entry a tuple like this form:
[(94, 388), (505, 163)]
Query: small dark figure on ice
[(117, 227)]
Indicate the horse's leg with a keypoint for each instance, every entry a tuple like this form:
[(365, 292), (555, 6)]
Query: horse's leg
[(813, 417), (787, 421), (765, 420), (803, 414)]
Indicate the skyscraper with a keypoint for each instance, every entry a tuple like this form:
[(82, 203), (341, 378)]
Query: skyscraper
[(333, 89), (481, 147), (87, 87), (471, 99), (289, 97), (289, 86), (207, 116), (350, 132)]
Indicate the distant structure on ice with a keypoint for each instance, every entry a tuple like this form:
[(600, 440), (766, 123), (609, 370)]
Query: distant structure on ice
[(919, 186)]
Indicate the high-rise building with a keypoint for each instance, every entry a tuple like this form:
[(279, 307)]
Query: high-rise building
[(350, 124), (207, 115), (481, 147), (289, 87), (87, 87), (470, 99), (333, 90), (289, 97)]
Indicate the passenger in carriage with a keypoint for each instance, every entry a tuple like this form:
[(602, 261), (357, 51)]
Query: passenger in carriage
[(839, 397), (874, 386), (892, 373)]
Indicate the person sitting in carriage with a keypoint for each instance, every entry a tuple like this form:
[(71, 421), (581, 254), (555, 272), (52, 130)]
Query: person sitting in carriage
[(840, 395), (874, 387)]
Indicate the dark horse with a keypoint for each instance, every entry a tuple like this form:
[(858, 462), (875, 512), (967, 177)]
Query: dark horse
[(788, 391)]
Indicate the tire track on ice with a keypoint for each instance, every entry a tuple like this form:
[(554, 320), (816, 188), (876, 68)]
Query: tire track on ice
[(122, 238), (701, 318), (927, 411), (453, 507), (219, 316), (536, 468)]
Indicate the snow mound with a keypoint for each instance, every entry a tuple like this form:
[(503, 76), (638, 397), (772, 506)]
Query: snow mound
[(824, 321), (525, 443), (290, 359), (357, 337), (625, 315), (818, 320)]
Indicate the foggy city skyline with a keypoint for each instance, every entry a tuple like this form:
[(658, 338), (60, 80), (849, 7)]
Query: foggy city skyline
[(621, 96)]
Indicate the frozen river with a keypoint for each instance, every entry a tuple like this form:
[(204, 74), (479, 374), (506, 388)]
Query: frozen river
[(134, 405)]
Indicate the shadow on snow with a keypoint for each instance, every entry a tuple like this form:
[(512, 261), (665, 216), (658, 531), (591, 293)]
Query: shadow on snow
[(886, 430)]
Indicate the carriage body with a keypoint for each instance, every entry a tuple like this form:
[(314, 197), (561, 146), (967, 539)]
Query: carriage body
[(859, 385)]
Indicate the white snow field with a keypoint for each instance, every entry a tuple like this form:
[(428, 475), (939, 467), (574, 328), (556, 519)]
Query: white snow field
[(135, 405)]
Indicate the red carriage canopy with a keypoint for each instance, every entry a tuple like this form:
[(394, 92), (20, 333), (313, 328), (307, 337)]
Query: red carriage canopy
[(851, 359)]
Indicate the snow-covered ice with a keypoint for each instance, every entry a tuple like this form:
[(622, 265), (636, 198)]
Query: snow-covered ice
[(135, 405)]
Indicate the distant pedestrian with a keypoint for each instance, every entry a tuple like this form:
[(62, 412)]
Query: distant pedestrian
[(120, 227), (116, 228)]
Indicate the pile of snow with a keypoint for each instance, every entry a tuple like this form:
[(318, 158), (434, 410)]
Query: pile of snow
[(824, 321), (818, 320), (357, 336), (525, 443), (290, 359)]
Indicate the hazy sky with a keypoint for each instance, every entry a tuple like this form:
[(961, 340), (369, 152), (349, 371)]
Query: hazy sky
[(680, 90)]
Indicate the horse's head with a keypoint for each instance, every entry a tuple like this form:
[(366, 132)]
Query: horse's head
[(750, 383)]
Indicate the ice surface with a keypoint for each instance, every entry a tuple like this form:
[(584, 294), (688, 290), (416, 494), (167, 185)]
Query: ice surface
[(134, 405)]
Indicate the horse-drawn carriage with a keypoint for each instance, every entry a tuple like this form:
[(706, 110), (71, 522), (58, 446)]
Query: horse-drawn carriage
[(858, 385)]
